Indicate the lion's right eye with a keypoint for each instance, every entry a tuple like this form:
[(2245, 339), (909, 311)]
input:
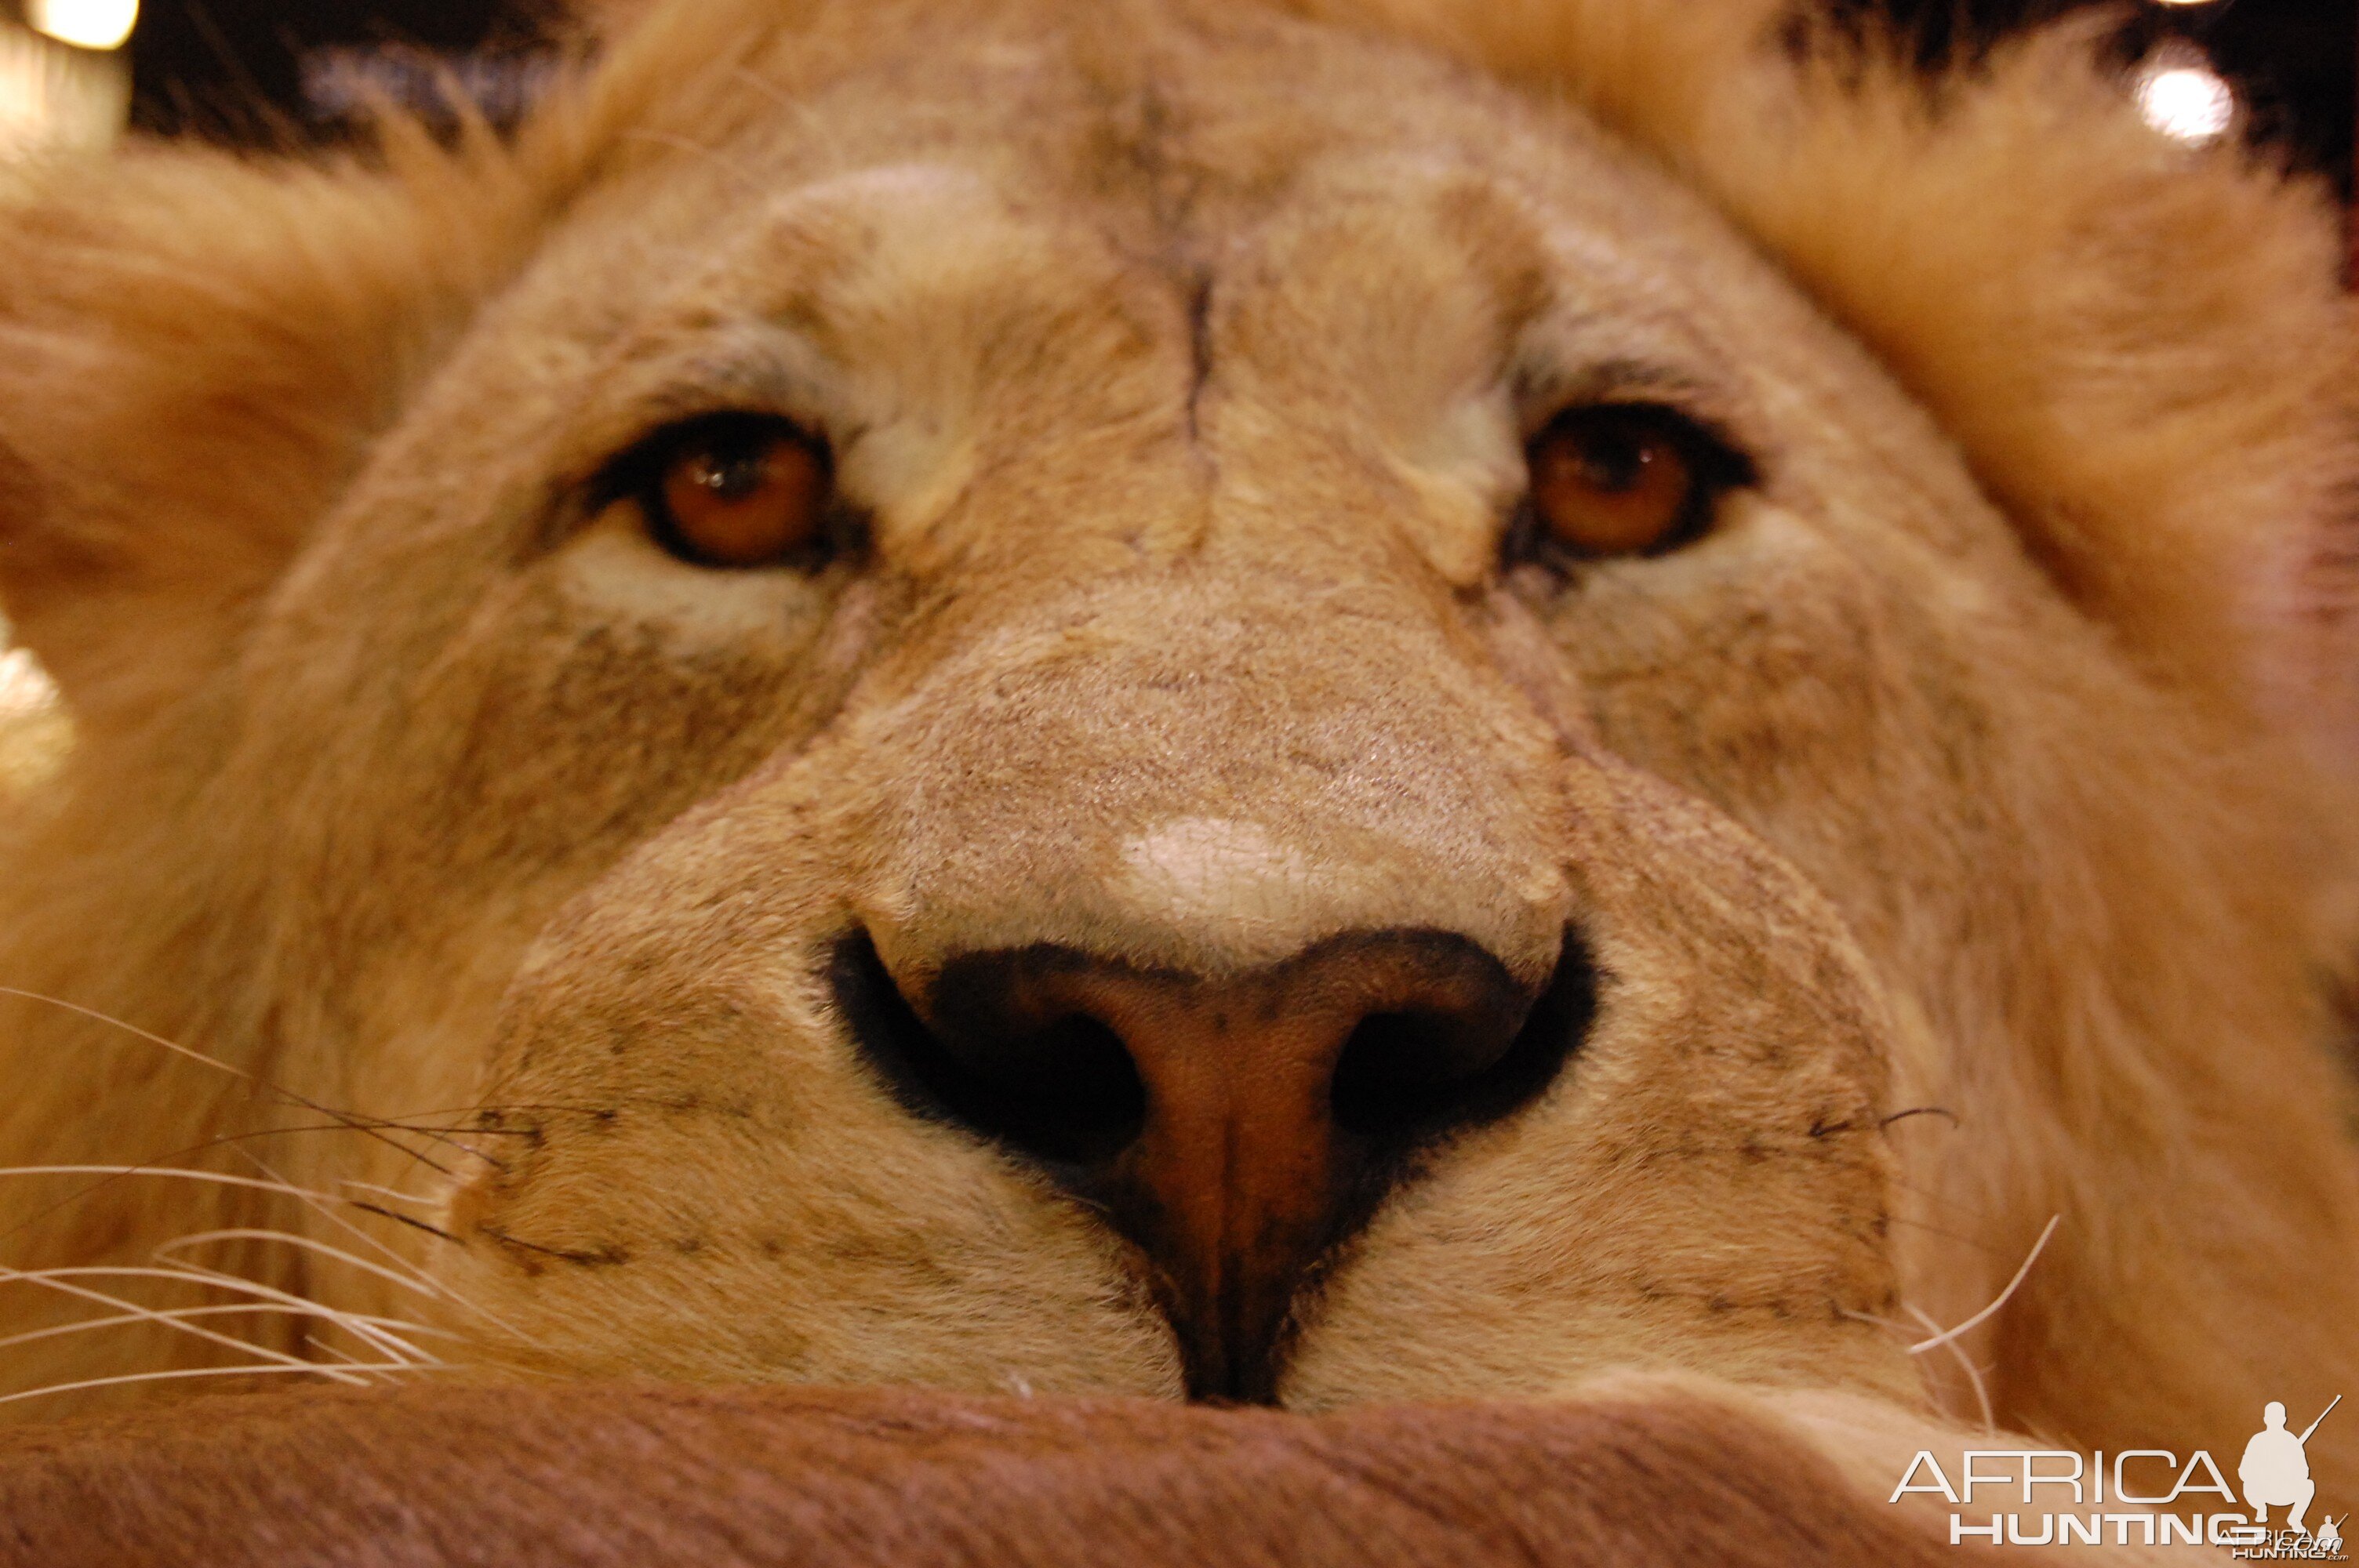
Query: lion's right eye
[(737, 490), (1610, 480)]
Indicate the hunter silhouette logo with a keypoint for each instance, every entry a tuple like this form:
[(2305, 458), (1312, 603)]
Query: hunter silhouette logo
[(2276, 1467)]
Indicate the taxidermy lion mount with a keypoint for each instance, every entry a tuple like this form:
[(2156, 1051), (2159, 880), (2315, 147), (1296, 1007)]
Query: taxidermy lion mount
[(1586, 705)]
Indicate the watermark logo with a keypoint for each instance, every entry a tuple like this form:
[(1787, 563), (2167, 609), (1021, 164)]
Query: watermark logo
[(2276, 1471), (2145, 1496)]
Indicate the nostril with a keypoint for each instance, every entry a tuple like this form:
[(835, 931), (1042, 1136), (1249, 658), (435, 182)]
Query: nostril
[(1069, 1093), (1404, 1075), (1063, 1090), (1392, 1068)]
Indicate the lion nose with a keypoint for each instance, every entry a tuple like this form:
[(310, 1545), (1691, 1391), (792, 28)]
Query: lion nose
[(1236, 1129)]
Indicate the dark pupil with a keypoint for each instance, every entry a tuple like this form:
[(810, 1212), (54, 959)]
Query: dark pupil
[(733, 472), (1612, 458)]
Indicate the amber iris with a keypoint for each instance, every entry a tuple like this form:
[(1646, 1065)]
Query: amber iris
[(750, 496), (1614, 482)]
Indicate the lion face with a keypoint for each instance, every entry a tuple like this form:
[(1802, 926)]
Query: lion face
[(1168, 873), (1190, 704)]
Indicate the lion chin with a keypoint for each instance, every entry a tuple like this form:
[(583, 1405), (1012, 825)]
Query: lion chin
[(1299, 705)]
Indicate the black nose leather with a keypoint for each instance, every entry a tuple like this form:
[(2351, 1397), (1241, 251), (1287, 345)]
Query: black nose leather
[(1235, 1128)]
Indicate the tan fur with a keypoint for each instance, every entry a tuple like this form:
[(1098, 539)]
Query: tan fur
[(1181, 354), (815, 1478)]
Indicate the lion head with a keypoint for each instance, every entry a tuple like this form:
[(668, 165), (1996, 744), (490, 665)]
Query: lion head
[(1197, 699)]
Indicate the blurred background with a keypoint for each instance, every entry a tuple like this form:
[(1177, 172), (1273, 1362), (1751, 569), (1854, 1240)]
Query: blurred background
[(282, 72)]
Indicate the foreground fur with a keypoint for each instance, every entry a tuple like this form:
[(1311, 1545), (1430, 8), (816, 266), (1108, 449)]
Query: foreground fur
[(1954, 826), (822, 1478)]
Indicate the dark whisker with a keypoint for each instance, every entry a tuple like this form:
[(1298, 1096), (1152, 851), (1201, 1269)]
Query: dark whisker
[(1942, 1111), (357, 1124), (415, 1224)]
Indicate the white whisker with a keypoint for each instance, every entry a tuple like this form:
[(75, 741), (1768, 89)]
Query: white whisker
[(432, 1285), (290, 1239), (359, 1326), (307, 1198), (230, 1309), (431, 1282), (395, 1194), (1965, 1364), (1946, 1336), (313, 1342), (357, 1124), (309, 1367), (153, 1039), (355, 1324), (49, 1280), (270, 1181), (184, 1274), (1904, 1330), (218, 1178)]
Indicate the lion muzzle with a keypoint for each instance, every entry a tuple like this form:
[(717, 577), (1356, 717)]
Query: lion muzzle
[(1236, 1130)]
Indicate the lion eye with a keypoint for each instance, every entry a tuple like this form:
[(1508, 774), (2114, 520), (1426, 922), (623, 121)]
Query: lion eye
[(738, 490), (1622, 479)]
